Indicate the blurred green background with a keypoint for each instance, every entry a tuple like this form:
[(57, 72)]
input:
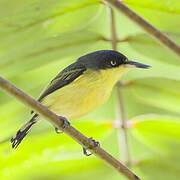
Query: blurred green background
[(39, 38)]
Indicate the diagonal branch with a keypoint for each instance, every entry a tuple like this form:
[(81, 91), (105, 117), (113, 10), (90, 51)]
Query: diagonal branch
[(146, 26), (70, 131), (121, 115)]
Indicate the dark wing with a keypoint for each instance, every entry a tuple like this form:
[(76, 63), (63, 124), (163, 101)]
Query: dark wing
[(65, 77)]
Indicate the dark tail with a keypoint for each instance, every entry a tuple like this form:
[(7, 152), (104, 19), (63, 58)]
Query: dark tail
[(16, 140)]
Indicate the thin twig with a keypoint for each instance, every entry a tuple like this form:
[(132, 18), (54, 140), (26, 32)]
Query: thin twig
[(146, 26), (121, 115), (113, 29), (72, 132), (123, 135)]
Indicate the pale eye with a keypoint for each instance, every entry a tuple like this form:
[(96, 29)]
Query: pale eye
[(113, 63)]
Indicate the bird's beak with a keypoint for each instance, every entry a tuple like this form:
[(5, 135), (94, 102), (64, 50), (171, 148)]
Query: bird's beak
[(136, 64)]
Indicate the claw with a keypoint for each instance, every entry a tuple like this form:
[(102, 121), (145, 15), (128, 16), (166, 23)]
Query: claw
[(65, 125), (58, 131), (96, 143), (85, 152)]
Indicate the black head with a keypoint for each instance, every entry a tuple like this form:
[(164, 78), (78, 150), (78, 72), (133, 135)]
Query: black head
[(106, 59)]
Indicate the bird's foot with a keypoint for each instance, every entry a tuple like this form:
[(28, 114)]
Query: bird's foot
[(96, 143), (66, 123)]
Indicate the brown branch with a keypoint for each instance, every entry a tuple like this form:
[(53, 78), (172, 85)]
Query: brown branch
[(121, 115), (146, 26), (70, 131)]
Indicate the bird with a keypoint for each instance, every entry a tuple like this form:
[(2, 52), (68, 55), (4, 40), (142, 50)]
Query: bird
[(81, 87)]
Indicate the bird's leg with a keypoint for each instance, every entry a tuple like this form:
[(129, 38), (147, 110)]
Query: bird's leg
[(96, 143), (65, 124)]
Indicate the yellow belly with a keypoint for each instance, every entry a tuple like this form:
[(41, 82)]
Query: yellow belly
[(83, 95)]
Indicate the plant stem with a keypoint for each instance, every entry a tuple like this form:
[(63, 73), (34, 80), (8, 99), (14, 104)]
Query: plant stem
[(146, 26), (121, 115), (114, 38), (122, 131)]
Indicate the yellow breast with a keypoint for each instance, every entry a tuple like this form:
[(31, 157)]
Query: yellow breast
[(84, 94)]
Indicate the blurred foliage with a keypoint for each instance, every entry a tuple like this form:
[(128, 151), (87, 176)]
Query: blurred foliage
[(39, 38)]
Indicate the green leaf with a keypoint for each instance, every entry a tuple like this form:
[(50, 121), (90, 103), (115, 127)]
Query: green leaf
[(159, 70), (170, 6), (34, 20), (37, 54), (162, 14), (47, 147), (161, 93), (160, 167), (160, 132), (144, 45)]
